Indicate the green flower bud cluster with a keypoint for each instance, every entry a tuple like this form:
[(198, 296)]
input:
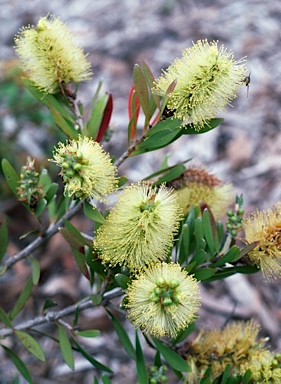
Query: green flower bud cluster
[(72, 164), (157, 374), (166, 293), (29, 192), (235, 218)]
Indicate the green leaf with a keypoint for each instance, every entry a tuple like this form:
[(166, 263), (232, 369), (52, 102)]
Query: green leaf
[(30, 344), (92, 213), (199, 257), (184, 244), (96, 299), (65, 347), (40, 207), (96, 116), (93, 361), (35, 268), (204, 273), (80, 259), (48, 304), (225, 374), (207, 230), (3, 269), (150, 81), (122, 280), (247, 249), (73, 236), (4, 240), (51, 192), (198, 232), (21, 367), (23, 297), (61, 123), (175, 360), (142, 91), (182, 335), (11, 176), (46, 99), (159, 136), (173, 174), (88, 333), (246, 377), (122, 335), (5, 318), (106, 380), (229, 257), (213, 123), (140, 363)]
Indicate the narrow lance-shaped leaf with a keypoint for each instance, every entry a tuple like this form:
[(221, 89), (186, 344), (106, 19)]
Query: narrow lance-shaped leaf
[(11, 176), (105, 118), (35, 268), (5, 318), (30, 344), (97, 115), (65, 347), (93, 361), (67, 128), (47, 99), (175, 360), (4, 240), (21, 367), (133, 112), (142, 91), (122, 335), (23, 297), (150, 81), (92, 213), (140, 363)]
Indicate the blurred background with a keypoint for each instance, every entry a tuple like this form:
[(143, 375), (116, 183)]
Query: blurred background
[(244, 150)]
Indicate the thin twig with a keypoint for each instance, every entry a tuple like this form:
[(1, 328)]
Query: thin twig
[(53, 228), (127, 153), (52, 316)]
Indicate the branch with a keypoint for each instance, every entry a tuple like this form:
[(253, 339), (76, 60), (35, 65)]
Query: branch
[(127, 153), (52, 316), (53, 228)]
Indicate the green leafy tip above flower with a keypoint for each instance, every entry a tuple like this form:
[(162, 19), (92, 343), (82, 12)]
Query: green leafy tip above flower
[(237, 345), (50, 55), (139, 230), (163, 300), (265, 227), (86, 169), (207, 78)]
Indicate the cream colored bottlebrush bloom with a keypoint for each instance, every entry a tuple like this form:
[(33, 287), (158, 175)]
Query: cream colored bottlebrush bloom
[(207, 78), (197, 186), (139, 230), (163, 300), (50, 55), (86, 169), (236, 345), (265, 227)]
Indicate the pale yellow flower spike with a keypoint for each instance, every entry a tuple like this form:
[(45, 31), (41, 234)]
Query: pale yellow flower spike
[(163, 300), (207, 78), (139, 231), (86, 169), (50, 55), (265, 227), (236, 345)]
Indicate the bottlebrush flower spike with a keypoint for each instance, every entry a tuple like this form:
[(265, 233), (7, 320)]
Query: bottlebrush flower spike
[(86, 169), (196, 186), (207, 78), (50, 55), (162, 300), (139, 230), (265, 227)]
